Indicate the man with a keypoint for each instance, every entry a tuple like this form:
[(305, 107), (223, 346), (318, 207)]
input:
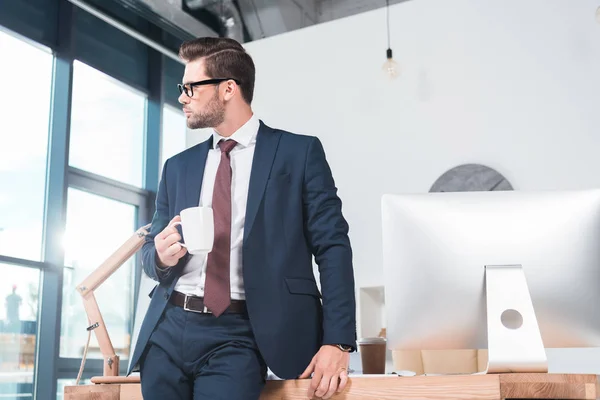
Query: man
[(216, 322)]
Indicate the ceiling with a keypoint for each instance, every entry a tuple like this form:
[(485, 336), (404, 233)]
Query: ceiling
[(244, 20), (264, 18)]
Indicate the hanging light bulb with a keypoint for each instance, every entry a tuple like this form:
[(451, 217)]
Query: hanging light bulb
[(390, 67)]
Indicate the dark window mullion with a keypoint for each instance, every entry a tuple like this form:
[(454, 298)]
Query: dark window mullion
[(49, 312), (24, 263), (106, 187)]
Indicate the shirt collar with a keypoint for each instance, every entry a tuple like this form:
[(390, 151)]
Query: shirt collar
[(245, 135)]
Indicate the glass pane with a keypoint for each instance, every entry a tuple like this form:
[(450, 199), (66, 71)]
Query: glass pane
[(23, 146), (107, 126), (19, 293), (173, 133), (96, 228)]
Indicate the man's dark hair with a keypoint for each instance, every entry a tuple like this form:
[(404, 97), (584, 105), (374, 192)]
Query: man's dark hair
[(223, 58)]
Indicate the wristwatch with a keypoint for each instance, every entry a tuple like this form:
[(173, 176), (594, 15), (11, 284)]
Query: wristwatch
[(344, 348)]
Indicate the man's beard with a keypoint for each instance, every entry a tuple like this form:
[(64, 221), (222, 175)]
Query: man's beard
[(211, 117)]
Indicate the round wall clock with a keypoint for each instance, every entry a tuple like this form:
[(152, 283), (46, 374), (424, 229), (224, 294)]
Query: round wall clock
[(470, 178)]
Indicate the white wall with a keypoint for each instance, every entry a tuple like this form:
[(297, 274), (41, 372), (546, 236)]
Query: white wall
[(511, 84)]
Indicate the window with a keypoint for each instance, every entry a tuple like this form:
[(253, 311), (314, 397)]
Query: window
[(173, 133), (25, 79), (19, 294), (107, 126), (97, 177), (96, 227)]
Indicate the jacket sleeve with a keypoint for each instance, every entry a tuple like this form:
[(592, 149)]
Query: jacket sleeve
[(160, 220), (327, 234)]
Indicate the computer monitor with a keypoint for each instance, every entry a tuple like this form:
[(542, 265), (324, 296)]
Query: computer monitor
[(514, 272)]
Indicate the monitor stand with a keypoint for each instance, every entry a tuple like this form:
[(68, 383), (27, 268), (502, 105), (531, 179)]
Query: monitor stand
[(514, 339)]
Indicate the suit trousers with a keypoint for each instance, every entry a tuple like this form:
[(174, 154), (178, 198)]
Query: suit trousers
[(199, 356)]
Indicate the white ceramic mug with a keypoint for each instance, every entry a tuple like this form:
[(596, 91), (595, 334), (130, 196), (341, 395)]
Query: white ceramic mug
[(198, 226)]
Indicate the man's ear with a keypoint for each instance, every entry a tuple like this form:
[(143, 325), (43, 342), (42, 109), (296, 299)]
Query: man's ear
[(230, 89)]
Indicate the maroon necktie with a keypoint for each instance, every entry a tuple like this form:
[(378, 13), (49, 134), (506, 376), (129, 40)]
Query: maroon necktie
[(217, 290)]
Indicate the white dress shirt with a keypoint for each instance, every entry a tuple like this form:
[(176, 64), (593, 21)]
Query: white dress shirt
[(194, 274)]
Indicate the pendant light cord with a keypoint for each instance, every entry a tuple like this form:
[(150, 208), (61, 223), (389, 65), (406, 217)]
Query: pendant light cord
[(387, 8)]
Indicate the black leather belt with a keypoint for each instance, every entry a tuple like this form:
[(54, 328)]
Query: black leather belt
[(196, 304)]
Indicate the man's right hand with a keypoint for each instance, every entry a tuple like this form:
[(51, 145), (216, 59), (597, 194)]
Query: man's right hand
[(168, 248)]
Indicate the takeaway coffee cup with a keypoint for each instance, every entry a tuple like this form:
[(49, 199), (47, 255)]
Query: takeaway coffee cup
[(372, 354)]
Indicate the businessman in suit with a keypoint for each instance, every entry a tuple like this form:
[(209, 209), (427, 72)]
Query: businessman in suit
[(214, 323)]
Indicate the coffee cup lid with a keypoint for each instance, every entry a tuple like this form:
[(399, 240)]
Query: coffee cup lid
[(372, 340)]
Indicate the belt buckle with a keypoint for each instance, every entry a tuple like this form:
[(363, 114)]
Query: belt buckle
[(186, 308)]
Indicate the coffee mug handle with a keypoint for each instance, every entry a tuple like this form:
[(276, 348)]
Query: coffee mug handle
[(175, 224)]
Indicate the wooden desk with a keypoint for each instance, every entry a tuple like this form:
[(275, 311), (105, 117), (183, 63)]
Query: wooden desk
[(384, 387)]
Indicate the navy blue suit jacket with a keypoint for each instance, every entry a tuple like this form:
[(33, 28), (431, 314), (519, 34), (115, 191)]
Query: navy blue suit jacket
[(293, 212)]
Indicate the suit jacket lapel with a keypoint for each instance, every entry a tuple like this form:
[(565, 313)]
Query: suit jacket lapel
[(267, 141), (194, 173)]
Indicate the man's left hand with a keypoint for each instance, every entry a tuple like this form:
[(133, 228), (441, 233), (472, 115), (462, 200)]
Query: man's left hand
[(330, 372)]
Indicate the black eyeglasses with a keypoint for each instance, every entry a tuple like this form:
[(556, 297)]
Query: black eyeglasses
[(188, 88)]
